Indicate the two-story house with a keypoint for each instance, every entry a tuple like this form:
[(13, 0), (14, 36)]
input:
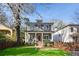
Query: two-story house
[(38, 32), (69, 33)]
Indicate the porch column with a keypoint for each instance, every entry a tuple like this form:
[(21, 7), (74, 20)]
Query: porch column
[(51, 37), (25, 37), (35, 39), (42, 39), (11, 33)]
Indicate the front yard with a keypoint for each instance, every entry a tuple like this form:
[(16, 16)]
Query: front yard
[(32, 51)]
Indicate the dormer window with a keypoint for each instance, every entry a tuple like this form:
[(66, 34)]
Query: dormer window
[(71, 29), (36, 25), (47, 27)]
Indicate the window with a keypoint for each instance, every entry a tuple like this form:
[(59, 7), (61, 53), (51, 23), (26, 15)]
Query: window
[(71, 29), (59, 34), (75, 38), (47, 27), (46, 37), (36, 25)]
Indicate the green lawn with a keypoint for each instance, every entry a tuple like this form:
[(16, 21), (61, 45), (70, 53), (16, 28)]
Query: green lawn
[(23, 51)]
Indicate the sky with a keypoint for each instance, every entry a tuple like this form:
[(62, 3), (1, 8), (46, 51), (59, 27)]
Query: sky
[(62, 11), (49, 11)]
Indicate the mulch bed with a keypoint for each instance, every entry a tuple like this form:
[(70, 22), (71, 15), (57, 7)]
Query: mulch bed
[(66, 46)]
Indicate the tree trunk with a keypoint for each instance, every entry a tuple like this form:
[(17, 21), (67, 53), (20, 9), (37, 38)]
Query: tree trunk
[(18, 30), (16, 14), (18, 35)]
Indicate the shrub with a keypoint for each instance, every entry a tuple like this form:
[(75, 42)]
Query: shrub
[(5, 42), (46, 42)]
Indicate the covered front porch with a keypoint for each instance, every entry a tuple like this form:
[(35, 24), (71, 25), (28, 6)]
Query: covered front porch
[(38, 38)]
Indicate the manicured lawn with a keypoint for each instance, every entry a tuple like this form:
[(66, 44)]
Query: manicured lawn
[(23, 51)]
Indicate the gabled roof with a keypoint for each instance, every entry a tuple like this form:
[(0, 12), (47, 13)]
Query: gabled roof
[(5, 26), (41, 23), (33, 27), (68, 25), (71, 25)]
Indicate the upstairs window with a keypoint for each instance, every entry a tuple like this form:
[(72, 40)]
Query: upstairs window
[(71, 29), (75, 38), (47, 27), (36, 25)]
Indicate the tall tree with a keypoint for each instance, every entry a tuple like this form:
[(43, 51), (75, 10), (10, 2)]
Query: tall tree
[(16, 12), (58, 24), (17, 9)]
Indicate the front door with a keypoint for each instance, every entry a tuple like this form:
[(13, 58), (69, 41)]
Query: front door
[(39, 37), (39, 40)]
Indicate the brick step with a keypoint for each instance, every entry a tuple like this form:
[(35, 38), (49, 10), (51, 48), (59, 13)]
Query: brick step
[(39, 44)]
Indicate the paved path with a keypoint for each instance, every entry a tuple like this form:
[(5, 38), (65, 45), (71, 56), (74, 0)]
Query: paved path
[(75, 53)]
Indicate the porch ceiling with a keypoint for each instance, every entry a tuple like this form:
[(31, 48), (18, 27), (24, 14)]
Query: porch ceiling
[(39, 32)]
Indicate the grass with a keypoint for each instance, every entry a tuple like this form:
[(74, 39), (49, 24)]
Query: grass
[(31, 51)]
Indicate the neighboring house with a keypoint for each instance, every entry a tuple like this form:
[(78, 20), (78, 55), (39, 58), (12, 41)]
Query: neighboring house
[(38, 32), (69, 33), (6, 30)]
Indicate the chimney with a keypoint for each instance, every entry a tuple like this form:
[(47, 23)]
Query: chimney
[(39, 21)]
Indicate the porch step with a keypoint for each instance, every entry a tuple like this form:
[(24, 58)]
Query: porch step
[(39, 44)]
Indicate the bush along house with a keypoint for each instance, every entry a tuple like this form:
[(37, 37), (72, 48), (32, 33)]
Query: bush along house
[(38, 32)]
